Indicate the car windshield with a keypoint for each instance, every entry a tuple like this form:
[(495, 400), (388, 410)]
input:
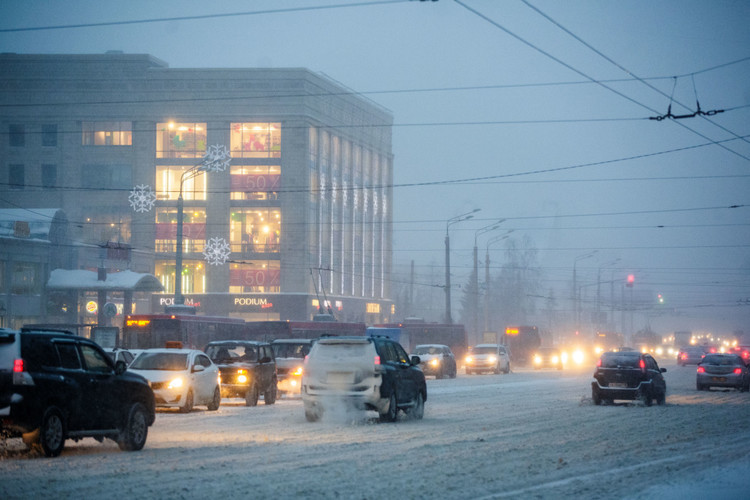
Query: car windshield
[(291, 350), (172, 361), (232, 353), (487, 349), (721, 360), (421, 350), (620, 359)]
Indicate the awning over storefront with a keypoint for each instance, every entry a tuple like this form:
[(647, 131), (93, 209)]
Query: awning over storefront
[(83, 280)]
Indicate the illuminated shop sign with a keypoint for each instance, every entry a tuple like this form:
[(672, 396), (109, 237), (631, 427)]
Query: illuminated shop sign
[(169, 301), (261, 302), (373, 308)]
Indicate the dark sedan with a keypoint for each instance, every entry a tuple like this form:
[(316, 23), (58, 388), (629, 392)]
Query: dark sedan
[(722, 370)]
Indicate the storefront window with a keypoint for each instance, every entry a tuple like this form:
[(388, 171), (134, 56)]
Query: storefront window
[(256, 140), (260, 276), (168, 184), (255, 182), (193, 230), (107, 133), (180, 140), (193, 276), (255, 230)]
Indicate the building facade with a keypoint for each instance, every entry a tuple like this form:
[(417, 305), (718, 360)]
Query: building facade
[(302, 213)]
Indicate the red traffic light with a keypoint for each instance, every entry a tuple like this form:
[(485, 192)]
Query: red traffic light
[(631, 280)]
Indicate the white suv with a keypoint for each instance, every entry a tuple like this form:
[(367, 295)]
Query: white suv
[(371, 373), (488, 358)]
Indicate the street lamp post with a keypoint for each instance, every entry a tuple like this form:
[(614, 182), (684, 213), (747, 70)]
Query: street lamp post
[(449, 223), (599, 286), (487, 277), (481, 230), (576, 301), (216, 159)]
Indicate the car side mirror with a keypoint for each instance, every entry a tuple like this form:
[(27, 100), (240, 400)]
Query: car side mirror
[(664, 370), (198, 368), (415, 360), (120, 367)]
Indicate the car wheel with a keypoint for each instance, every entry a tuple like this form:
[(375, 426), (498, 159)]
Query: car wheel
[(188, 406), (251, 396), (216, 401), (269, 397), (392, 412), (507, 369), (645, 397), (133, 436), (312, 416), (52, 432), (416, 412), (454, 372), (596, 397), (661, 398)]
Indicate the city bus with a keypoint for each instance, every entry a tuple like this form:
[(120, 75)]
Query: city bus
[(522, 341), (145, 331)]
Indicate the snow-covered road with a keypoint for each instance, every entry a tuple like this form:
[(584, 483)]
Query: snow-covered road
[(524, 435)]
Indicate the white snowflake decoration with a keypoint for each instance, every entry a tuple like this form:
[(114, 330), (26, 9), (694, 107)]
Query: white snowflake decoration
[(217, 158), (142, 198), (217, 251)]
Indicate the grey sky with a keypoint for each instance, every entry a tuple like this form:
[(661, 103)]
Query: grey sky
[(492, 90)]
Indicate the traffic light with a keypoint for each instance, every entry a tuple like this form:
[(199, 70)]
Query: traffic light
[(631, 280), (660, 298)]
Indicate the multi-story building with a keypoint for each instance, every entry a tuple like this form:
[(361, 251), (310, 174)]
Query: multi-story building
[(300, 218)]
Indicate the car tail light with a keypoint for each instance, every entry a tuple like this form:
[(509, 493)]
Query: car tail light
[(738, 371), (599, 363), (307, 356), (21, 377), (642, 364), (377, 360), (701, 369), (683, 355)]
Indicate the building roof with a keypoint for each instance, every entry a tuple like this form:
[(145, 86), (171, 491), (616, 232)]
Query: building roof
[(81, 279)]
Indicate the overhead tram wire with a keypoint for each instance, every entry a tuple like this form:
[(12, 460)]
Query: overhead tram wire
[(204, 16), (393, 91), (598, 82), (468, 180), (621, 67)]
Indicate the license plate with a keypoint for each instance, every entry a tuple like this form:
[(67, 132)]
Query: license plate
[(340, 378), (719, 379), (618, 384)]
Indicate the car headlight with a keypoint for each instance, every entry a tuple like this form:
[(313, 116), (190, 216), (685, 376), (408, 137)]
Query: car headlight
[(555, 360), (537, 359), (435, 362), (469, 359), (297, 372), (578, 356), (493, 359), (242, 376), (175, 383)]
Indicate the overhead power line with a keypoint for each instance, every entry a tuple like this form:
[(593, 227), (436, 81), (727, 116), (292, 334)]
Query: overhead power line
[(204, 16), (579, 72)]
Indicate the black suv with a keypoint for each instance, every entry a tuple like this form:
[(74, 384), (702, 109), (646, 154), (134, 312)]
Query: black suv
[(56, 386), (628, 375), (248, 369)]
